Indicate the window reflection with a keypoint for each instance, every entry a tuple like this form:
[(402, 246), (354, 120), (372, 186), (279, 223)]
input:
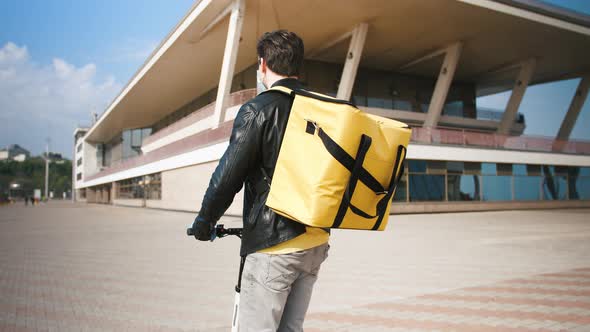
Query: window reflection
[(425, 187), (527, 188), (463, 187), (401, 193), (497, 188), (554, 187), (572, 182), (417, 166), (583, 187), (488, 168), (519, 169), (133, 140), (454, 181)]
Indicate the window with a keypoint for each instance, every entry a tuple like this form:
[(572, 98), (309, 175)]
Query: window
[(417, 166), (79, 148), (533, 169), (496, 188), (454, 108), (132, 141), (79, 161), (425, 187), (130, 188), (554, 183), (453, 181), (379, 102), (463, 187), (488, 169), (79, 176), (401, 191), (437, 167), (141, 187), (153, 186), (582, 188), (504, 169), (519, 169), (527, 188), (455, 167), (472, 168)]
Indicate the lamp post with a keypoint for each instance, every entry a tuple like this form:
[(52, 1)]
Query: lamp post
[(47, 170)]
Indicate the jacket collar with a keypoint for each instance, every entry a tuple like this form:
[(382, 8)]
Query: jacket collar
[(291, 83)]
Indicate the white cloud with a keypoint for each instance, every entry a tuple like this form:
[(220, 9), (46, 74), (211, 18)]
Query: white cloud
[(39, 101)]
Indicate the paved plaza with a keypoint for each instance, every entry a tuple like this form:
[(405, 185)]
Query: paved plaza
[(79, 267)]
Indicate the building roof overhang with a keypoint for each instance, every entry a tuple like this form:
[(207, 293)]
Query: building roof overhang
[(496, 36)]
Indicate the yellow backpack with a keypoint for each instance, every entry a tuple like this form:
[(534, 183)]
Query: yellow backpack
[(318, 182)]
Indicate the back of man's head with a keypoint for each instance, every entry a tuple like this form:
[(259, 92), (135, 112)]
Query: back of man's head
[(283, 52)]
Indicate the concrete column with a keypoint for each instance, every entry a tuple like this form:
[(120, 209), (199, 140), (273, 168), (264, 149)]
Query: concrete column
[(522, 82), (353, 57), (443, 84), (229, 60), (574, 110)]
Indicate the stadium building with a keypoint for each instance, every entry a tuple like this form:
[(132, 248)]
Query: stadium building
[(421, 62)]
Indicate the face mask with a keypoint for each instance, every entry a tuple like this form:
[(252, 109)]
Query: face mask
[(260, 87)]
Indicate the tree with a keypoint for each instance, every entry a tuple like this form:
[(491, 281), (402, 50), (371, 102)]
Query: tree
[(31, 175)]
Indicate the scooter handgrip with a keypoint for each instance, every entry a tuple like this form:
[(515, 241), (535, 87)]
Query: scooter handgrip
[(189, 231)]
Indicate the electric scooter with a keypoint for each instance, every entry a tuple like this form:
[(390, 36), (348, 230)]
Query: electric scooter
[(220, 232)]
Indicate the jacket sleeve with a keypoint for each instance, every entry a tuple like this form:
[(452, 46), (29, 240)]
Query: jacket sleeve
[(233, 168)]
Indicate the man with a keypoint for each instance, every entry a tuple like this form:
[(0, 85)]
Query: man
[(283, 256)]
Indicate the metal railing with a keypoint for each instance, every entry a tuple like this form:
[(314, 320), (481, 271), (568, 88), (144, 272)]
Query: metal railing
[(496, 141)]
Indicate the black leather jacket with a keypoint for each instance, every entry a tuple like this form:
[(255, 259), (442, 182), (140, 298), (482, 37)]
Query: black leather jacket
[(253, 150)]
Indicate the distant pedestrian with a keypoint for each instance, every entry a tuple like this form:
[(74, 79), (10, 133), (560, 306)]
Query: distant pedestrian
[(26, 200)]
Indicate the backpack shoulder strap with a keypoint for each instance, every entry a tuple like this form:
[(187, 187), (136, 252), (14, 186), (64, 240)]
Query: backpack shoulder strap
[(309, 94), (281, 89)]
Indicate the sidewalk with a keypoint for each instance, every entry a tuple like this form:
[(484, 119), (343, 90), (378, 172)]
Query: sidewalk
[(72, 267)]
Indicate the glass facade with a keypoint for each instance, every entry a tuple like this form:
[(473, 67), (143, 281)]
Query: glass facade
[(463, 187), (153, 186), (496, 188), (426, 187), (453, 181), (527, 188), (132, 140), (130, 188), (141, 187)]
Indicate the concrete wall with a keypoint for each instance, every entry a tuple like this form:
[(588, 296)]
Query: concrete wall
[(90, 161), (184, 189)]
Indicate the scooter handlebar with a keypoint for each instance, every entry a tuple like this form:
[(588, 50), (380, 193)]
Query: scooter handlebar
[(220, 231)]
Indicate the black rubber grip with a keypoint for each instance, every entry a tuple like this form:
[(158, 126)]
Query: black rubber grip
[(189, 231)]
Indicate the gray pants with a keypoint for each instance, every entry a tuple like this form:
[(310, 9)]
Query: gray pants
[(276, 289)]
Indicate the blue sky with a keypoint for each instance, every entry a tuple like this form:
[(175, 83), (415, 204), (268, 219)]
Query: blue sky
[(65, 59), (117, 36)]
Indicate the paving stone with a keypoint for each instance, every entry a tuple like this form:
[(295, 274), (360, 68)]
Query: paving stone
[(79, 267)]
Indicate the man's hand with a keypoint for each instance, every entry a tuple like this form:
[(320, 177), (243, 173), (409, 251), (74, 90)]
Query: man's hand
[(202, 229)]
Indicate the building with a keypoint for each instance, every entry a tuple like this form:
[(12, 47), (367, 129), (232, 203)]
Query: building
[(78, 192), (422, 62), (14, 152)]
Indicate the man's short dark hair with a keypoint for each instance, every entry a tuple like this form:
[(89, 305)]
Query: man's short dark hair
[(283, 52)]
